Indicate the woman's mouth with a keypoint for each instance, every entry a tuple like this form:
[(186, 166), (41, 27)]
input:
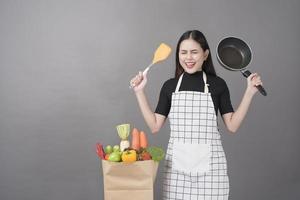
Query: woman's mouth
[(190, 64)]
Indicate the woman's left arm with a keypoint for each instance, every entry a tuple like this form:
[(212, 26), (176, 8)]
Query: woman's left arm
[(233, 120)]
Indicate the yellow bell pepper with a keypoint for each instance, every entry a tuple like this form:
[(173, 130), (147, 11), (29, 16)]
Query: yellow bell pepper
[(129, 156)]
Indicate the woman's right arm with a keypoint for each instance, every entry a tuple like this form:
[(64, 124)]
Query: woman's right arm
[(154, 121)]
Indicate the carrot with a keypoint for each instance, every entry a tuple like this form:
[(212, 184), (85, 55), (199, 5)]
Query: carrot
[(135, 140), (143, 139)]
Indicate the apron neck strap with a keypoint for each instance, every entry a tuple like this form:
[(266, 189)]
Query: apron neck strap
[(206, 90), (179, 83)]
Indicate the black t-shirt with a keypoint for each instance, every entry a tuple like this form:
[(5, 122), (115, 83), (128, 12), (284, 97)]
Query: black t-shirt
[(194, 82)]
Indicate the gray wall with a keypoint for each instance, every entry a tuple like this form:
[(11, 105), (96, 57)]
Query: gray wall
[(64, 73)]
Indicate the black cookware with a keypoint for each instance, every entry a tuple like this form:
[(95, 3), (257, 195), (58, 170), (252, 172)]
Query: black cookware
[(235, 54)]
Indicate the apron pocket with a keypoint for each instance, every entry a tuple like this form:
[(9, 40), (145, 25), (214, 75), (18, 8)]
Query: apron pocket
[(191, 158)]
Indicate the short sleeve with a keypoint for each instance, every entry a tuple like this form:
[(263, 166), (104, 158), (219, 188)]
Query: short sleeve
[(225, 102), (164, 102)]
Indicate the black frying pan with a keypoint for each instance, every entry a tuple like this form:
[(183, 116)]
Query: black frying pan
[(234, 54)]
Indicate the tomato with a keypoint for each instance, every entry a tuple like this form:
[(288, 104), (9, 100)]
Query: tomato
[(146, 156)]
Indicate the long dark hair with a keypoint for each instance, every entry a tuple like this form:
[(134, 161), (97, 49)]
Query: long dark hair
[(198, 36)]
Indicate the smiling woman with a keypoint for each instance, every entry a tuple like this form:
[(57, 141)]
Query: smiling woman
[(191, 101)]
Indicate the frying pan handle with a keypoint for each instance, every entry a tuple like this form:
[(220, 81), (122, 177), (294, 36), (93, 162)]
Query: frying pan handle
[(259, 87)]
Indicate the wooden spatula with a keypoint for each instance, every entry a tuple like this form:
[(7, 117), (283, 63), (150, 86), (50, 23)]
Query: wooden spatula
[(161, 53)]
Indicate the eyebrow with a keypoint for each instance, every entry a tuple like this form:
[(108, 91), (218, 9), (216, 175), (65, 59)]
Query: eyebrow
[(190, 50)]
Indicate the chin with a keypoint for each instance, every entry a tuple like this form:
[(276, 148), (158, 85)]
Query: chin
[(190, 71)]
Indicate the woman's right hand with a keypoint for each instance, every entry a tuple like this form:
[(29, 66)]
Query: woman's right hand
[(138, 82)]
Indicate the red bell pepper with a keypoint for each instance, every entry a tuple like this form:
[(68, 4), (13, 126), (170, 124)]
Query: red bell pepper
[(100, 151)]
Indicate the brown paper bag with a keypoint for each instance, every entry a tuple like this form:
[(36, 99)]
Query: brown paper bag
[(129, 181)]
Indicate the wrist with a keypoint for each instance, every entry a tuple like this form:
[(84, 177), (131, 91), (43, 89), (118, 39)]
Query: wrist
[(249, 92), (139, 92)]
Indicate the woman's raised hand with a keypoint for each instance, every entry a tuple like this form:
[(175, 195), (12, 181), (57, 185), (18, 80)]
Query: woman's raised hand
[(138, 82), (252, 81)]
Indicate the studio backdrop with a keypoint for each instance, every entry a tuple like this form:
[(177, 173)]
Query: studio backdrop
[(65, 68)]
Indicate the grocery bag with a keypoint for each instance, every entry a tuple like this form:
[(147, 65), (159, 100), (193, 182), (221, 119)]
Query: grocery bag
[(129, 181)]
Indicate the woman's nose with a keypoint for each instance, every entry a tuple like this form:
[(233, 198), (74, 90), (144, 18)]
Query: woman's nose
[(189, 55)]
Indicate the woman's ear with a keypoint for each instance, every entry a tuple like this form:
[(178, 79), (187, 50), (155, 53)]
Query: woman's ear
[(206, 53)]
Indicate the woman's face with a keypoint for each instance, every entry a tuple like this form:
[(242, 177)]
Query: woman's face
[(191, 56)]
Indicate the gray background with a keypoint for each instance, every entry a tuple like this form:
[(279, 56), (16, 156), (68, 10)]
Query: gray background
[(64, 73)]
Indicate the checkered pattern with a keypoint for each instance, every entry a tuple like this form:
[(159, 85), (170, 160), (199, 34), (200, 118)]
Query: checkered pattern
[(193, 121)]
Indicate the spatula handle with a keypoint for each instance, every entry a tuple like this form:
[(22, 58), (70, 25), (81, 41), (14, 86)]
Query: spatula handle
[(147, 68), (145, 71)]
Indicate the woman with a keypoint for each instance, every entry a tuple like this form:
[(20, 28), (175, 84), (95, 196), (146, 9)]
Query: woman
[(195, 166)]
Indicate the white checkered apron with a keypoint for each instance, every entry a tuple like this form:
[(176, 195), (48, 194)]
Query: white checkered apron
[(195, 166)]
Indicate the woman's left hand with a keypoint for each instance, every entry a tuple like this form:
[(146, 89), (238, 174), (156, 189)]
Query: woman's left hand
[(252, 81)]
